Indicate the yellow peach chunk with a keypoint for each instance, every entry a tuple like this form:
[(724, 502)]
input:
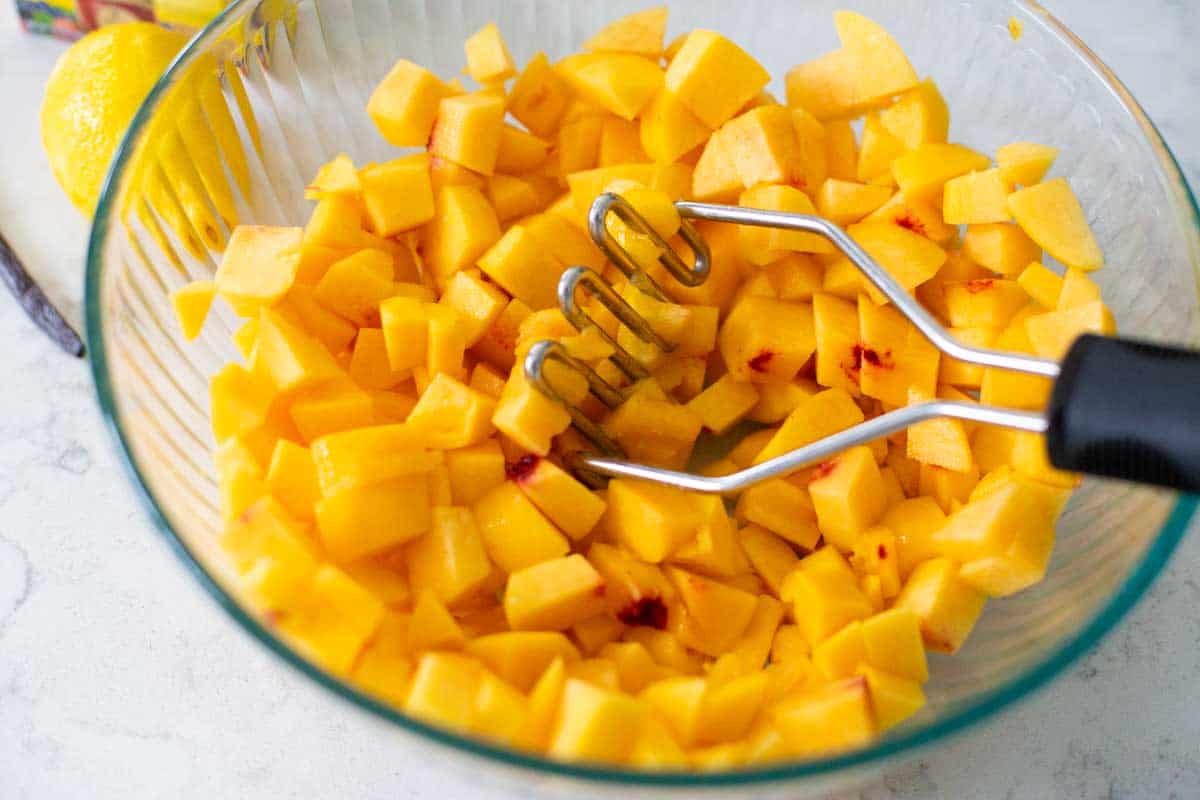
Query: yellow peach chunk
[(1052, 333), (841, 150), (474, 470), (522, 657), (881, 68), (450, 559), (724, 403), (265, 528), (450, 415), (782, 508), (369, 364), (334, 177), (716, 179), (869, 69), (258, 266), (714, 77), (468, 130), (1029, 458), (292, 478), (554, 594), (191, 304), (367, 455), (918, 116), (397, 195), (651, 520), (762, 143), (1004, 387), (914, 214), (364, 520), (620, 142), (845, 202), (983, 302), (1012, 527), (622, 83), (289, 357), (812, 150), (720, 612), (640, 33), (894, 699), (764, 340), (942, 442), (341, 617), (488, 59), (354, 287), (976, 198), (577, 145), (1052, 216), (770, 555), (539, 97), (764, 245), (464, 226), (405, 329), (875, 554), (847, 495), (825, 595), (832, 717), (515, 534), (921, 173), (1077, 289), (566, 502), (246, 337), (477, 301), (520, 151), (405, 104), (878, 149), (908, 257), (840, 655), (839, 353), (714, 550), (1025, 163), (594, 724), (914, 521), (668, 129), (443, 690), (892, 641), (895, 355), (524, 268), (945, 604), (528, 417)]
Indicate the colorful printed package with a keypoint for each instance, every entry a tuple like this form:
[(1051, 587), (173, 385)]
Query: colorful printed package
[(71, 19)]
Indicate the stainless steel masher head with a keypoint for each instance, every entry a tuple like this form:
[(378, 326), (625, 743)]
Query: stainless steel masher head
[(1119, 408)]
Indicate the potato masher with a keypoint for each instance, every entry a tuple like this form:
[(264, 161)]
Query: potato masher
[(1119, 408)]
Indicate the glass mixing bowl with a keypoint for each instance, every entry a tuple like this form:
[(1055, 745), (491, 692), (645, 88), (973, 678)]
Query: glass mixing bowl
[(271, 90)]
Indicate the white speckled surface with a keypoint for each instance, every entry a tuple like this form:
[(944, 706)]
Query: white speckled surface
[(120, 678)]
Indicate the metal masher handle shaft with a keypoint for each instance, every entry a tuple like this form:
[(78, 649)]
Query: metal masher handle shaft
[(875, 428), (891, 422), (904, 302), (1121, 409)]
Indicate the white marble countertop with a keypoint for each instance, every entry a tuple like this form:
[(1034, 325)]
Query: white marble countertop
[(120, 678)]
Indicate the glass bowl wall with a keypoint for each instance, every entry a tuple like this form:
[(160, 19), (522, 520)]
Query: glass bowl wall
[(271, 90)]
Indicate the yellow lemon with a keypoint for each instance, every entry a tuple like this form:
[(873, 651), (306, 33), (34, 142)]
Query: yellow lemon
[(176, 181), (91, 97)]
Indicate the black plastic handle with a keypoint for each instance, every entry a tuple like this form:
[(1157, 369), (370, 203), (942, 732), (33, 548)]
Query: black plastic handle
[(1130, 410)]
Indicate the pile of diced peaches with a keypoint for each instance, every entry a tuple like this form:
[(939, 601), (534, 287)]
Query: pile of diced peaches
[(394, 490)]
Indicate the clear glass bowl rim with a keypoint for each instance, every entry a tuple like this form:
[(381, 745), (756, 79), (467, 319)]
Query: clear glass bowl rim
[(886, 749)]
